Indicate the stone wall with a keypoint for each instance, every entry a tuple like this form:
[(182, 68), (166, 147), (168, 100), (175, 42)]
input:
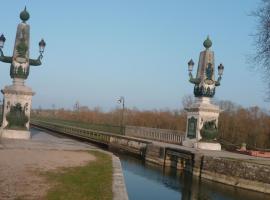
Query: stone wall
[(155, 154), (240, 173)]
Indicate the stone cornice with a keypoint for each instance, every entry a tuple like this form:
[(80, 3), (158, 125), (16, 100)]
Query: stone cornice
[(216, 110), (17, 92)]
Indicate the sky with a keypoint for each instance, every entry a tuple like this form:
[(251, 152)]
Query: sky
[(98, 50)]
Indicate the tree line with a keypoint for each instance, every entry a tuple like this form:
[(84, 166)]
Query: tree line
[(236, 124)]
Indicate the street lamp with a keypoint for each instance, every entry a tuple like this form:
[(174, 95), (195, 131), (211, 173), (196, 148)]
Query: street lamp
[(21, 56), (18, 97), (202, 115), (2, 41), (204, 81), (42, 45), (220, 72), (121, 100), (190, 65)]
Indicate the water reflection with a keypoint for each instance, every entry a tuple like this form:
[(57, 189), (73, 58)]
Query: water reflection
[(147, 181)]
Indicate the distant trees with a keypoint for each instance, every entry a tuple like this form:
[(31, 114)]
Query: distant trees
[(187, 101), (250, 125), (236, 124), (175, 120)]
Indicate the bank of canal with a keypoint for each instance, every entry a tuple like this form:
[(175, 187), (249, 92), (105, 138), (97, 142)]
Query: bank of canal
[(146, 181)]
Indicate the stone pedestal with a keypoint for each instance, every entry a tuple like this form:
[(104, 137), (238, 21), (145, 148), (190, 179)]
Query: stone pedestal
[(199, 113), (208, 146), (16, 110), (15, 134)]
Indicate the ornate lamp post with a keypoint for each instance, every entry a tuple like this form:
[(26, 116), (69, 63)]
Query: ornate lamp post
[(18, 97), (202, 118), (121, 100)]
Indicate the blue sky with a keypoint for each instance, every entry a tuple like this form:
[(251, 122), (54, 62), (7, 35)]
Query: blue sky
[(99, 50)]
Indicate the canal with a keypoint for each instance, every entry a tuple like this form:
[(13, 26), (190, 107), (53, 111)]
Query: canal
[(146, 182)]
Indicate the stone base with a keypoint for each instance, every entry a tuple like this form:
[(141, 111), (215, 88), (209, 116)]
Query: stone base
[(15, 94), (15, 134), (188, 143), (207, 146)]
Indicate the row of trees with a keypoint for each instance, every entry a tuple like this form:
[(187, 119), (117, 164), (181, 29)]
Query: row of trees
[(236, 124)]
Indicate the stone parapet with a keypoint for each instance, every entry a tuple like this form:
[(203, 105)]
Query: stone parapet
[(236, 172)]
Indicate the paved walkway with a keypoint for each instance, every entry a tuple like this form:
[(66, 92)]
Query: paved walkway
[(19, 159), (43, 140), (21, 162)]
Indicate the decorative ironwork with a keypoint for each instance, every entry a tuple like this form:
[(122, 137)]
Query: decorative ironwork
[(17, 118), (22, 48), (192, 127), (201, 91), (209, 130), (205, 80), (20, 62), (209, 71)]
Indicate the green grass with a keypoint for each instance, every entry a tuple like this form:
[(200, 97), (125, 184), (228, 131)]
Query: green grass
[(90, 182), (99, 127)]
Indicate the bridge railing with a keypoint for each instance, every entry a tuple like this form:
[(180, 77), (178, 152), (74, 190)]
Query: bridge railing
[(163, 135), (89, 134), (94, 135)]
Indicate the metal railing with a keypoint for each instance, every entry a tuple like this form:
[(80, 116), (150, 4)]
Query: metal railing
[(162, 135), (94, 135), (89, 134)]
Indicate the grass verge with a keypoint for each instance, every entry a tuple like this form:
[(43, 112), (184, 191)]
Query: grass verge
[(98, 127), (90, 182)]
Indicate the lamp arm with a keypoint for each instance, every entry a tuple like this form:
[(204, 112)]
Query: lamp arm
[(194, 80), (217, 83), (3, 58), (36, 62)]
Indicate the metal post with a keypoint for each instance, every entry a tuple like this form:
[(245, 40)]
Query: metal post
[(122, 100)]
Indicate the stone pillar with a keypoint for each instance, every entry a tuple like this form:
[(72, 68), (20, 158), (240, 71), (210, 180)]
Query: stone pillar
[(202, 115), (18, 97)]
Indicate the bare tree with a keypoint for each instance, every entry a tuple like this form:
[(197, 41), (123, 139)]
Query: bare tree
[(187, 101), (261, 58)]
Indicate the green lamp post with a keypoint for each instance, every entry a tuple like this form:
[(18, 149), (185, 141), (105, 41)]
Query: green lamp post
[(202, 115), (205, 82), (20, 60), (18, 97)]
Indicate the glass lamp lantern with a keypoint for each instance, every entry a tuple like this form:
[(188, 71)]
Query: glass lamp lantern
[(2, 41), (42, 45), (190, 65), (220, 69)]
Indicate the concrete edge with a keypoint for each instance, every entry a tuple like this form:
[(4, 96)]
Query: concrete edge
[(238, 182), (119, 186)]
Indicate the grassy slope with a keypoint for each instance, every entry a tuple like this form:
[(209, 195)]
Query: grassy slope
[(90, 182), (100, 127)]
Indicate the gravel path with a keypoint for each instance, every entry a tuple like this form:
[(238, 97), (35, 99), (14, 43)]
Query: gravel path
[(22, 160)]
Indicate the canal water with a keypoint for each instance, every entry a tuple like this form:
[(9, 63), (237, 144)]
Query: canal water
[(150, 182), (146, 181)]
